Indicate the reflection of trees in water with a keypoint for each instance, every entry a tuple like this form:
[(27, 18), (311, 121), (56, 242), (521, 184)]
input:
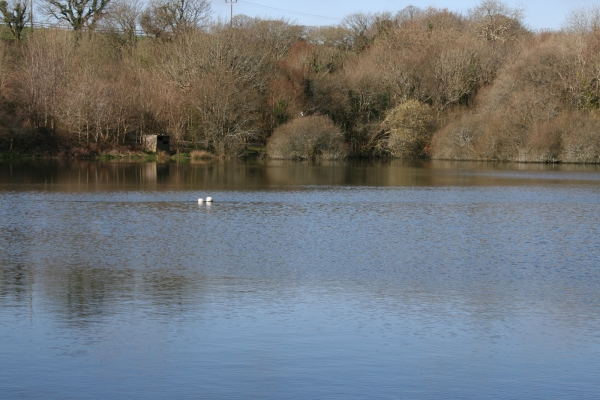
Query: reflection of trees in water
[(81, 296), (351, 173), (81, 176), (169, 291), (15, 284), (84, 294)]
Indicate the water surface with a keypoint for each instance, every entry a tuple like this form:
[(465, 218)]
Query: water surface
[(334, 280)]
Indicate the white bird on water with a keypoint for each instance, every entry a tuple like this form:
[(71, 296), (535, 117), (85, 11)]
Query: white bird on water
[(208, 200), (200, 200)]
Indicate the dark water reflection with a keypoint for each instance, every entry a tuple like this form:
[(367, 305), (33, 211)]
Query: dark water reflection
[(341, 280), (262, 175)]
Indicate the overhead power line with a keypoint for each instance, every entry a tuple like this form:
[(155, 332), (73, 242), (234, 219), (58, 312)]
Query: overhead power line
[(288, 11)]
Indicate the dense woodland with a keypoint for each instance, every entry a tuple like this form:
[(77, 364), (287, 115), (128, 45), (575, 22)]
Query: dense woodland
[(416, 83)]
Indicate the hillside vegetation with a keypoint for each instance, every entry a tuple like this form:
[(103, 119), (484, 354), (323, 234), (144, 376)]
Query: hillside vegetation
[(419, 83)]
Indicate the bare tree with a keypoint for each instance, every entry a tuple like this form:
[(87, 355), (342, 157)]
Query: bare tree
[(79, 14), (330, 36), (15, 16), (122, 19), (496, 21), (222, 76), (358, 26), (583, 20), (168, 18), (408, 13), (364, 28), (40, 85), (275, 36), (458, 74)]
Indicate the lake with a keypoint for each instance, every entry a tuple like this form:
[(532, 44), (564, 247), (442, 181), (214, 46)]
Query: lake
[(353, 280)]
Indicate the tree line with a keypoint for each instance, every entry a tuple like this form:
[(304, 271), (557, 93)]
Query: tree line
[(416, 83)]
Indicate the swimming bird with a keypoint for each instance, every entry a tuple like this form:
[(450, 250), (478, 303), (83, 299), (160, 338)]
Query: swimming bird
[(200, 201), (209, 199)]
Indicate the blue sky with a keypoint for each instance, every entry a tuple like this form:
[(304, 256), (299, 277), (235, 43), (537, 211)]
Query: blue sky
[(539, 14)]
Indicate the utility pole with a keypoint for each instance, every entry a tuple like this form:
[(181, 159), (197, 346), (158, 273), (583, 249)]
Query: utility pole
[(231, 16)]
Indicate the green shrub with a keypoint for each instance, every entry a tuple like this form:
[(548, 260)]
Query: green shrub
[(308, 138)]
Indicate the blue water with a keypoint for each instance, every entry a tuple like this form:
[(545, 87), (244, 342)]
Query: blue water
[(393, 280)]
